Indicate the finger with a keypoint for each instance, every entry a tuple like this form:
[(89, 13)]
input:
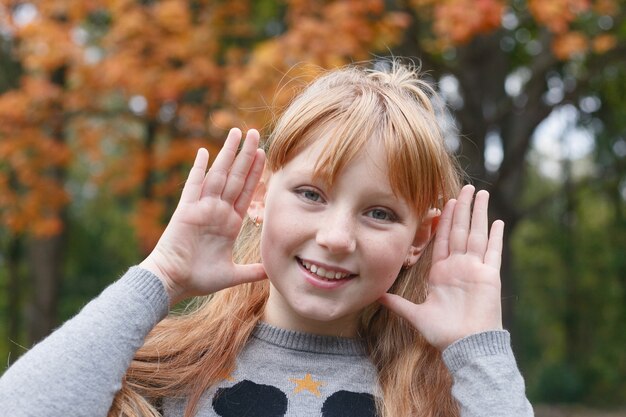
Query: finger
[(441, 246), (248, 273), (493, 255), (241, 167), (243, 202), (402, 307), (193, 185), (461, 220), (218, 173), (478, 235)]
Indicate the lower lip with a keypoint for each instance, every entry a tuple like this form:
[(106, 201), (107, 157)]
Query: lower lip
[(322, 283)]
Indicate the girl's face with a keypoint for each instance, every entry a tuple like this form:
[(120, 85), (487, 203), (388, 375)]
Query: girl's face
[(330, 252)]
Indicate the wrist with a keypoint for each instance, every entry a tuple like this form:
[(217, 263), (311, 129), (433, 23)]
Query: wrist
[(174, 292), (488, 343)]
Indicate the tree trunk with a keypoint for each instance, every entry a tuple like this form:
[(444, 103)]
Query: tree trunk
[(14, 298), (45, 254), (45, 257)]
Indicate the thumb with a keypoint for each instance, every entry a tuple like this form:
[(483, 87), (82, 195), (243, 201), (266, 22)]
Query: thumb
[(403, 307), (248, 273)]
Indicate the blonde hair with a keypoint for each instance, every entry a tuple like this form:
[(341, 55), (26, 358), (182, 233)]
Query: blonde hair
[(185, 355)]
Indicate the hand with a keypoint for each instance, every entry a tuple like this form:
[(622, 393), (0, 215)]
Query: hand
[(464, 281), (194, 254)]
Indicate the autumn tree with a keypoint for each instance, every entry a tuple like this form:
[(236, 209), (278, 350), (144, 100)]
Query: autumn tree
[(34, 156), (503, 68), (129, 90)]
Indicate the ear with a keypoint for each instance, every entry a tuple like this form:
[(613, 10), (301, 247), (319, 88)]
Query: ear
[(257, 205), (425, 231)]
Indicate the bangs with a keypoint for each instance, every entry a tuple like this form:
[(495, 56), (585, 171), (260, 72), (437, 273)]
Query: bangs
[(349, 115)]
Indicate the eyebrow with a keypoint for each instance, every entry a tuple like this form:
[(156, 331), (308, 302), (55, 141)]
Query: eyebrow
[(373, 192)]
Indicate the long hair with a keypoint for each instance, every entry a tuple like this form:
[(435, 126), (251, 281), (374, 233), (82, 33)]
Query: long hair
[(185, 355)]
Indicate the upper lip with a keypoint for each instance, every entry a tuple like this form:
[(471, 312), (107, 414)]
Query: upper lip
[(327, 267)]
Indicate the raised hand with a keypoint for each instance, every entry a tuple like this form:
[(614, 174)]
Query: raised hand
[(464, 281), (194, 254)]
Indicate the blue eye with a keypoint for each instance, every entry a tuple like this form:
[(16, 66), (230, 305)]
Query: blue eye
[(310, 195), (381, 214)]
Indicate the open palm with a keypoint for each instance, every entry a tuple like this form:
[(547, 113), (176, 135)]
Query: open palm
[(464, 281), (194, 254)]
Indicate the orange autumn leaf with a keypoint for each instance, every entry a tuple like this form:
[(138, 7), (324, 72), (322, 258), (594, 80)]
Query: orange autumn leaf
[(569, 45), (606, 7), (557, 15), (603, 43), (173, 15), (13, 108), (40, 89), (45, 45), (47, 227), (147, 223), (220, 121), (460, 20), (422, 4), (175, 153)]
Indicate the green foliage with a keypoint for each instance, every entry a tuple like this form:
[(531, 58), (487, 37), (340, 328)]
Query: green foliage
[(559, 383), (101, 246), (569, 272)]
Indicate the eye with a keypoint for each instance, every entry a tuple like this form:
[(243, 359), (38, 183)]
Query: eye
[(382, 215), (310, 195)]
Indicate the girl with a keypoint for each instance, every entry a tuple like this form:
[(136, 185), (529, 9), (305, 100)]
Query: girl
[(363, 313)]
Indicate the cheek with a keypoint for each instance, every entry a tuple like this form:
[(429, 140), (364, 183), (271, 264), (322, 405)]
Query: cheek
[(386, 260), (269, 247), (285, 227), (279, 238), (389, 276)]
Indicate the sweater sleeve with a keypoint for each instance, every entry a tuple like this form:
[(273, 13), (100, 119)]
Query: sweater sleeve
[(78, 369), (487, 381)]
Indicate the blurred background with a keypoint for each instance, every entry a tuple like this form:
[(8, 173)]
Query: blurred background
[(104, 103)]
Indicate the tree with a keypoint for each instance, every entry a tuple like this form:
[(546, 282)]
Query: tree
[(504, 67), (34, 157), (130, 102)]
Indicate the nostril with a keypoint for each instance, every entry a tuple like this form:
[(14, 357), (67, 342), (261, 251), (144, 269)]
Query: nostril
[(336, 240)]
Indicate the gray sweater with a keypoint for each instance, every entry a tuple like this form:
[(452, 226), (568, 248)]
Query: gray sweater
[(78, 369)]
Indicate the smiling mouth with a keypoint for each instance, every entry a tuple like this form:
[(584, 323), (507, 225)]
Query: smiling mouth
[(323, 273)]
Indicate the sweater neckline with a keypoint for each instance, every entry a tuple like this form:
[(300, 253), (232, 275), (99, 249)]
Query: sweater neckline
[(307, 342)]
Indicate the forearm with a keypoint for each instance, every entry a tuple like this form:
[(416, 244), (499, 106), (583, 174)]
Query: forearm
[(78, 369), (487, 381)]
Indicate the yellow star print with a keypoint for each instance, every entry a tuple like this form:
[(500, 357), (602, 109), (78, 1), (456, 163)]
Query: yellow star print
[(307, 383)]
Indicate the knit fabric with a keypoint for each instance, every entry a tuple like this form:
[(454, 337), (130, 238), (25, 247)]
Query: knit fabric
[(77, 370), (287, 373)]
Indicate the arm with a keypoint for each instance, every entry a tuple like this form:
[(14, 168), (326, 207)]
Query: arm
[(462, 313), (79, 368), (486, 380)]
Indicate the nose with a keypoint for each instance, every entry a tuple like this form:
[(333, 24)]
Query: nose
[(336, 233)]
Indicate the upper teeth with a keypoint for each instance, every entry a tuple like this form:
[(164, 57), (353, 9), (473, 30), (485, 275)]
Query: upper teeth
[(318, 270)]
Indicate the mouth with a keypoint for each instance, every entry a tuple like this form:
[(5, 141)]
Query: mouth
[(325, 272)]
